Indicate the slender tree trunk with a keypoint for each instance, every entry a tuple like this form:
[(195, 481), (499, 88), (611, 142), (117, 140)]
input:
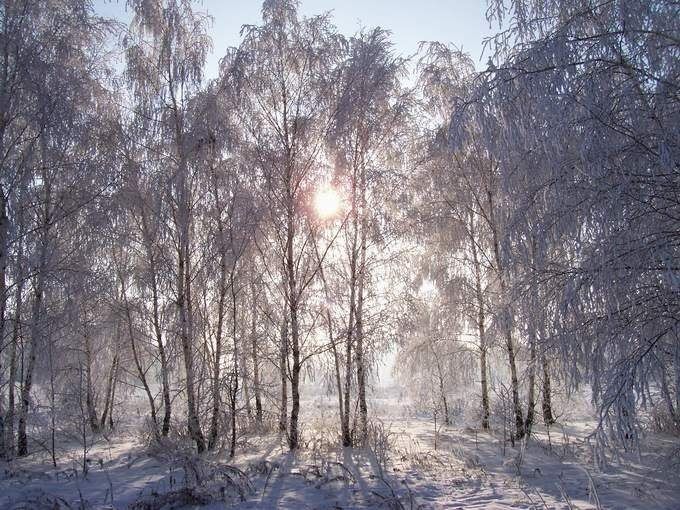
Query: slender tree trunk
[(186, 340), (517, 406), (35, 328), (13, 347), (112, 402), (53, 408), (4, 245), (507, 323), (221, 304), (336, 361), (485, 389), (535, 328), (531, 395), (107, 397), (156, 320), (548, 417), (9, 422), (141, 373), (89, 389), (244, 376), (235, 380), (442, 391), (665, 393), (332, 340), (361, 360), (245, 385), (481, 323), (351, 321), (110, 380), (293, 304), (165, 384), (293, 435), (283, 365), (184, 297), (254, 354), (156, 316), (217, 361), (346, 414), (22, 439)]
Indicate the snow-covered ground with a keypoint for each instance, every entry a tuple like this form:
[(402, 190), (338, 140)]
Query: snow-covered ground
[(407, 465)]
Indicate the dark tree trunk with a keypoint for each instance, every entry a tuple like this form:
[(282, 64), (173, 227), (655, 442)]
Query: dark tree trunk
[(485, 390), (216, 369), (113, 394), (506, 322), (235, 379), (14, 343), (89, 389), (293, 304), (4, 244), (141, 373), (361, 359), (548, 417), (35, 329), (22, 439), (165, 384), (110, 382), (186, 340), (156, 319), (332, 340), (531, 395), (481, 323), (445, 404), (351, 321), (254, 354), (283, 365)]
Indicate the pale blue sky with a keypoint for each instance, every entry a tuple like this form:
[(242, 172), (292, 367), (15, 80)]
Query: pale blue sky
[(461, 22)]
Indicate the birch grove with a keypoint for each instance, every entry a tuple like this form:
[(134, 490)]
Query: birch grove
[(209, 252)]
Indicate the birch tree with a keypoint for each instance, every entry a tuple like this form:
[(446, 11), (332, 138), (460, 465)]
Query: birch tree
[(579, 101), (166, 51), (282, 70)]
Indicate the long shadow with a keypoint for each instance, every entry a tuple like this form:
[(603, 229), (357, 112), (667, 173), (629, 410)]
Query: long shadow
[(273, 492), (348, 459), (372, 479), (551, 475)]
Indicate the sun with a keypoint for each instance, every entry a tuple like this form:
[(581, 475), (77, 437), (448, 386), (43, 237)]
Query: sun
[(326, 202)]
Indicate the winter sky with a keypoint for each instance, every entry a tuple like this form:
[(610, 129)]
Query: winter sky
[(461, 22)]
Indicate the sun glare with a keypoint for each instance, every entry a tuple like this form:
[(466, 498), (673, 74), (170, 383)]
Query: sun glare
[(326, 202)]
